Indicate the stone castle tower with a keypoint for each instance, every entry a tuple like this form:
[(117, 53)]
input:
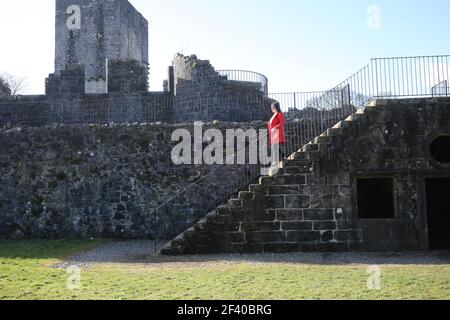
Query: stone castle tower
[(92, 32)]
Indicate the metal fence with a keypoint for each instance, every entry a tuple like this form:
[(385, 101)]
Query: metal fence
[(441, 89), (38, 111), (247, 76), (387, 78), (299, 103)]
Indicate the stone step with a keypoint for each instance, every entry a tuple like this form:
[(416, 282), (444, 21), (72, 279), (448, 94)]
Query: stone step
[(223, 210), (256, 188), (334, 131), (361, 110), (246, 195), (356, 117), (372, 103), (171, 251), (367, 110), (296, 163), (234, 203), (296, 170), (316, 155), (282, 180), (177, 242), (342, 124), (299, 156), (323, 139), (200, 226), (310, 147)]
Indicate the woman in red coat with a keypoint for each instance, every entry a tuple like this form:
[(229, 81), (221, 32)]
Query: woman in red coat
[(277, 136)]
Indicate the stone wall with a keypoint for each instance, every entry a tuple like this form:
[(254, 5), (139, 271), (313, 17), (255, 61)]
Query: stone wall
[(89, 32), (202, 93), (69, 83), (311, 204), (127, 76), (92, 181), (124, 76)]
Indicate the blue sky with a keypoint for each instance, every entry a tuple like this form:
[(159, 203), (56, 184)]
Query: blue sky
[(301, 45)]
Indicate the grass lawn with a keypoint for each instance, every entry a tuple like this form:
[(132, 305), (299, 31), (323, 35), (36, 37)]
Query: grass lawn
[(26, 273)]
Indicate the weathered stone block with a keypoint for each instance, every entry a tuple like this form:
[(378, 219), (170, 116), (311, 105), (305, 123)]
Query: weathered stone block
[(237, 237), (335, 201), (297, 202), (318, 214), (324, 225), (316, 201), (297, 225), (261, 215), (344, 224), (333, 247), (297, 170), (300, 156), (260, 226), (309, 247), (281, 247), (281, 190), (303, 236), (228, 227), (327, 236), (289, 215), (258, 189), (235, 203), (238, 214), (223, 210), (297, 163), (348, 235), (288, 180), (245, 195), (274, 202), (266, 236)]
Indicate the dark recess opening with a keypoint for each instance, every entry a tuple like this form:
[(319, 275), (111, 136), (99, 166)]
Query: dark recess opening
[(440, 149), (375, 198), (438, 207)]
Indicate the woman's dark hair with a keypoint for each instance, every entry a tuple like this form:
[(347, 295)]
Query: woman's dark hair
[(277, 106)]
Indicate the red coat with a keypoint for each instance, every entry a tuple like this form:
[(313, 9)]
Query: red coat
[(277, 136)]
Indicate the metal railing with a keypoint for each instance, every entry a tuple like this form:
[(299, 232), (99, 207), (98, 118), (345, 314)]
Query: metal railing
[(293, 101), (247, 76), (386, 78), (36, 111), (441, 89), (401, 77), (300, 105)]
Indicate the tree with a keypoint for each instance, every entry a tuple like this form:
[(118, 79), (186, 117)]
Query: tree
[(17, 85)]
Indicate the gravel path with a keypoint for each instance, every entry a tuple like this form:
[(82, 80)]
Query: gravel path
[(115, 252), (143, 253)]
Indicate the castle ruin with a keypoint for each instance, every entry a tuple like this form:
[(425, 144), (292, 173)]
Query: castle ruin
[(91, 157)]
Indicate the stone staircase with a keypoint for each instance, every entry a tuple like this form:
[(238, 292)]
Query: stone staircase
[(306, 206)]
